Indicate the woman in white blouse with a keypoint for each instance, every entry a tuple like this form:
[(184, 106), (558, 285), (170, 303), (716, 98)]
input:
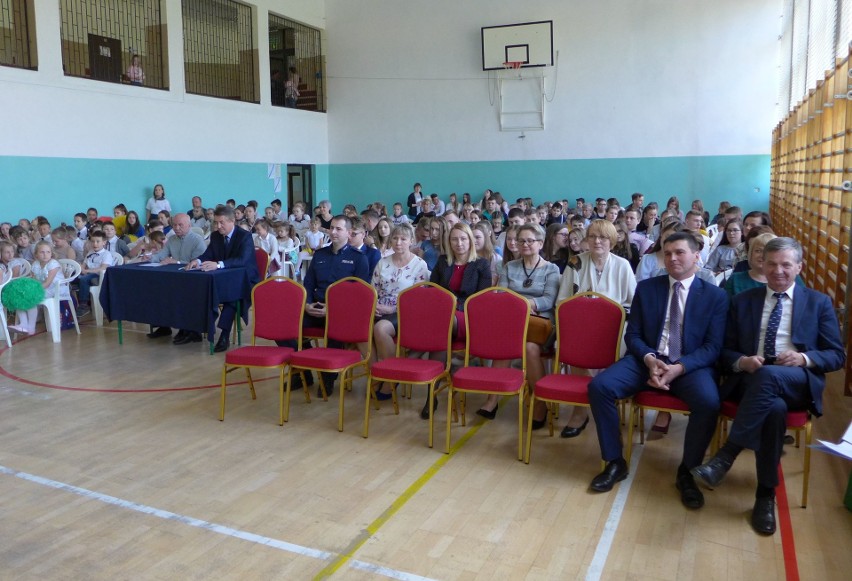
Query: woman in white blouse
[(600, 271), (392, 275)]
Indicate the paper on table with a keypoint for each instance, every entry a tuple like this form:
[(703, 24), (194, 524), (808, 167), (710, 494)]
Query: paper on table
[(151, 264), (842, 449)]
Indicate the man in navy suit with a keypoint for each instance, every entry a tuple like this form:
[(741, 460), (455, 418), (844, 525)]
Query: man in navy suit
[(674, 336), (780, 342), (230, 247)]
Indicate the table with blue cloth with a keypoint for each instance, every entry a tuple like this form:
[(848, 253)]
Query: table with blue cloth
[(171, 296)]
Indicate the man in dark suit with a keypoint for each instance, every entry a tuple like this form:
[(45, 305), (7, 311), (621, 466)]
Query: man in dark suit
[(674, 336), (230, 247), (780, 342)]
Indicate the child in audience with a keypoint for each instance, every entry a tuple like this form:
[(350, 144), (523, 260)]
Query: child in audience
[(8, 260), (43, 231), (314, 237), (398, 216), (475, 218), (381, 236), (96, 262), (147, 247), (119, 218), (724, 256), (61, 248), (165, 218), (80, 226), (299, 220), (133, 228), (22, 241), (5, 227), (157, 203), (264, 239), (45, 270), (113, 242), (26, 225), (288, 246), (140, 245)]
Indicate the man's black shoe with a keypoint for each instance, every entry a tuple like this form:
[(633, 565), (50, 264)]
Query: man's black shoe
[(179, 337), (297, 380), (690, 495), (160, 332), (711, 473), (615, 471), (763, 516), (222, 344), (188, 337)]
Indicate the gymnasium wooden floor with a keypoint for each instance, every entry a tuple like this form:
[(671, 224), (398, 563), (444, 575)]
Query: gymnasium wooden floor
[(113, 465)]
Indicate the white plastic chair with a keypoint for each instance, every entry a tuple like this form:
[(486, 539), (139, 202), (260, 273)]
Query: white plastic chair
[(70, 271), (26, 269), (95, 291), (198, 230), (7, 276)]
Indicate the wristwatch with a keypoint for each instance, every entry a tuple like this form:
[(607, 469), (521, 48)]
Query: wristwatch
[(221, 264)]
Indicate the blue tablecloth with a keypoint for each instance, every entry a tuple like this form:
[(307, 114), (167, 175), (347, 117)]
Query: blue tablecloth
[(167, 296)]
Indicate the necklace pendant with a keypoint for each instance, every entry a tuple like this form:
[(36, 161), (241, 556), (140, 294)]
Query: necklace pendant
[(528, 283)]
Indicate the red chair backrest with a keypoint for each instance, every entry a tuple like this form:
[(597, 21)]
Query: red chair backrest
[(426, 312), (350, 311), (278, 309), (496, 322), (262, 259), (589, 327)]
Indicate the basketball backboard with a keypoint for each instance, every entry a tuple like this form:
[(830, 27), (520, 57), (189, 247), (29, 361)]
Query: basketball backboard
[(530, 43)]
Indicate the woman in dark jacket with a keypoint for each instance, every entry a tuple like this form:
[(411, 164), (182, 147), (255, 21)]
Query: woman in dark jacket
[(463, 273)]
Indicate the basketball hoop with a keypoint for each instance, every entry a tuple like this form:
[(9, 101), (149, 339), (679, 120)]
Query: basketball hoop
[(512, 65)]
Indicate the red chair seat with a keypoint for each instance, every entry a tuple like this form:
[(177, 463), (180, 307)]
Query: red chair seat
[(561, 387), (458, 345), (795, 419), (659, 399), (404, 370), (325, 358), (488, 379), (259, 356)]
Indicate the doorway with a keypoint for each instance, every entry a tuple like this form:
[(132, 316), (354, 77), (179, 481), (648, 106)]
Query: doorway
[(300, 186)]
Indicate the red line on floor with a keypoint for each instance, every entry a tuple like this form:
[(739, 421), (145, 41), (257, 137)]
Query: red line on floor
[(788, 545)]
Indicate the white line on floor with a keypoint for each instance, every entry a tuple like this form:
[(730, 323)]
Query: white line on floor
[(213, 527), (596, 567)]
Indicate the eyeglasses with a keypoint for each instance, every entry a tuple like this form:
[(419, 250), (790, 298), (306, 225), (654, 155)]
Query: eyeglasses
[(527, 241), (563, 234), (596, 237)]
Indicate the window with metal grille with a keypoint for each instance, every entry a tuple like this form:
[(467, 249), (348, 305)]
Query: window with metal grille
[(100, 39), (297, 63), (17, 34), (220, 59)]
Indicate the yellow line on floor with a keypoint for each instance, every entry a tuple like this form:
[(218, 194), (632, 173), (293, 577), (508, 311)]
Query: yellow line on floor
[(397, 504)]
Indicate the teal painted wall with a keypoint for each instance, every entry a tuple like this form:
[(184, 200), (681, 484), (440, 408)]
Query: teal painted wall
[(710, 178), (59, 187)]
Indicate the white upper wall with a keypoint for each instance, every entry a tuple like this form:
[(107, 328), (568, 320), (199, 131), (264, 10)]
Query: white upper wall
[(51, 115), (639, 78)]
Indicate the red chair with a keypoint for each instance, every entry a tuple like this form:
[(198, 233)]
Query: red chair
[(496, 321), (278, 304), (797, 421), (588, 336), (653, 400), (426, 312), (262, 259), (350, 312)]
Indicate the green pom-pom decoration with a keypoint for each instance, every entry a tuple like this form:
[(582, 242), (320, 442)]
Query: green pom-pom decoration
[(22, 294)]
